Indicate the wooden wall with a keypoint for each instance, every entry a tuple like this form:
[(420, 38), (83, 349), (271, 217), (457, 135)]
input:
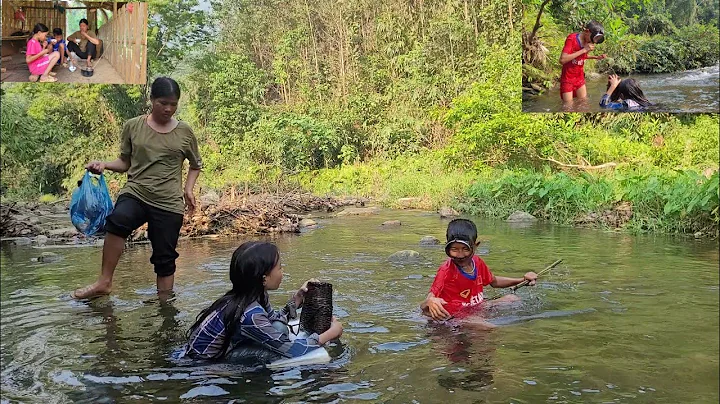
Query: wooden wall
[(37, 11), (125, 41)]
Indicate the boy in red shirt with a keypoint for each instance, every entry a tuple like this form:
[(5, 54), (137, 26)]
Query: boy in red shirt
[(573, 56), (458, 286)]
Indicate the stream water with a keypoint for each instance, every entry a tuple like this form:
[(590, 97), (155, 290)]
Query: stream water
[(624, 319), (687, 91)]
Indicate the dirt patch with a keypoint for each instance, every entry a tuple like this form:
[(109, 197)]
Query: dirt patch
[(617, 217)]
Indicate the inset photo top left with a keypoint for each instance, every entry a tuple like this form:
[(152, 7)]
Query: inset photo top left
[(74, 42)]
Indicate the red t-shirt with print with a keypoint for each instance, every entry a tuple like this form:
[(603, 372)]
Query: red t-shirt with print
[(458, 289), (574, 70)]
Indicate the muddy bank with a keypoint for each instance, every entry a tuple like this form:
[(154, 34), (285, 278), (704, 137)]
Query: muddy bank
[(215, 214)]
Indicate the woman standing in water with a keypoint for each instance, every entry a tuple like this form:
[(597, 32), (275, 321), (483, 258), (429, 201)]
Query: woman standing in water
[(573, 56), (152, 152)]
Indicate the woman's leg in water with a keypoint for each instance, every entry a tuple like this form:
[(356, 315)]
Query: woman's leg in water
[(112, 250), (128, 215), (163, 232)]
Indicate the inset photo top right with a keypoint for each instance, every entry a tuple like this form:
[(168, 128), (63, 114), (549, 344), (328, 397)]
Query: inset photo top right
[(634, 56)]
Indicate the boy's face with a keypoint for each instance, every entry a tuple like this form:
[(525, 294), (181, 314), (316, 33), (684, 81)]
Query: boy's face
[(460, 253), (58, 37)]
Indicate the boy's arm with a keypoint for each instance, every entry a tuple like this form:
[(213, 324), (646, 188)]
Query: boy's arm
[(504, 282), (565, 57)]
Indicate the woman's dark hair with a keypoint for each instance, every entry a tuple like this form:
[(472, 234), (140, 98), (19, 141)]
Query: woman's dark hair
[(164, 87), (461, 229), (597, 32), (249, 263), (57, 31), (629, 89), (84, 20), (39, 27)]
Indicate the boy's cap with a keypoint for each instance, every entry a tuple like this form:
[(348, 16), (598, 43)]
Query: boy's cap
[(451, 242)]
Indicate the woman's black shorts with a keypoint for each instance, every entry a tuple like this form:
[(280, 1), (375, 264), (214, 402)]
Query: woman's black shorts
[(164, 226)]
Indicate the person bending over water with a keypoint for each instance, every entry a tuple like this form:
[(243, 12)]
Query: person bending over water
[(241, 325), (624, 95), (153, 149), (457, 290), (573, 56)]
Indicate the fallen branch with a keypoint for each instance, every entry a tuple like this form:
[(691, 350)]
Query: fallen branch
[(582, 166)]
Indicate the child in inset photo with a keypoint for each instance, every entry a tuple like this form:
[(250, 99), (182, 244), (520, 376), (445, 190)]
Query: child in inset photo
[(59, 45), (573, 56), (624, 95)]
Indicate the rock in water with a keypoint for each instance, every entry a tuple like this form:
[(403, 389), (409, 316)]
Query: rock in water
[(519, 216), (391, 223), (308, 223), (22, 241), (359, 211), (448, 212), (429, 240), (405, 257), (41, 239), (48, 257)]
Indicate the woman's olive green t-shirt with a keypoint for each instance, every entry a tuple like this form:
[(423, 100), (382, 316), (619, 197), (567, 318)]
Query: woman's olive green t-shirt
[(156, 161)]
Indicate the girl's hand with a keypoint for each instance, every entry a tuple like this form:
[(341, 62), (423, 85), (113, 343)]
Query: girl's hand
[(300, 294), (436, 310), (335, 331), (530, 276), (614, 80), (190, 201), (95, 167), (603, 56), (589, 47)]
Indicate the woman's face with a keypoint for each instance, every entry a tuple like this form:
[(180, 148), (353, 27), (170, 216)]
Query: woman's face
[(163, 108), (274, 277)]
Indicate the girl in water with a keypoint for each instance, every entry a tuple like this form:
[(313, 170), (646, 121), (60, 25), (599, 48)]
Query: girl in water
[(39, 56), (577, 47), (624, 95), (241, 325)]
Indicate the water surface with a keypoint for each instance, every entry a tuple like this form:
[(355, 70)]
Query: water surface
[(686, 91), (623, 319)]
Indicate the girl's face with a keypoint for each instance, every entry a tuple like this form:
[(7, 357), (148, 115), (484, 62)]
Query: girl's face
[(42, 36), (274, 277), (163, 108)]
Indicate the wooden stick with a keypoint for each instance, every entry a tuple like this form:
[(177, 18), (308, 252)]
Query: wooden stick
[(544, 271)]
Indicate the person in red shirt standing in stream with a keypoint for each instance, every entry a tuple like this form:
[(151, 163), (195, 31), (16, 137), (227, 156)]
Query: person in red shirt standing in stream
[(457, 290), (573, 56)]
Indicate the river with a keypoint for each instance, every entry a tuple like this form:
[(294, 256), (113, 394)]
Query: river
[(624, 319), (687, 91)]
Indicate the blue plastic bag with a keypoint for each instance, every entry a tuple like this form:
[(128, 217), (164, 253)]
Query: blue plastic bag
[(90, 205)]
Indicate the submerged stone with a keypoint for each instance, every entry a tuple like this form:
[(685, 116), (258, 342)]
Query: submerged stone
[(405, 257), (520, 216)]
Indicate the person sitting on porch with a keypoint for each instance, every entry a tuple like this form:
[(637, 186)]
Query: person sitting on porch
[(85, 43), (59, 45), (40, 58)]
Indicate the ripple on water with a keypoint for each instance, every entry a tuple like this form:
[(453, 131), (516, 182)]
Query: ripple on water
[(208, 391), (397, 346)]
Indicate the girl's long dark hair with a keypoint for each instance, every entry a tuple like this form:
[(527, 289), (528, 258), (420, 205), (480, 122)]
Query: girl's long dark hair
[(39, 27), (249, 263), (629, 89)]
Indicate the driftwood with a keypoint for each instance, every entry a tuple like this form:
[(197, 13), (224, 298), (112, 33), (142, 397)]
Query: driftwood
[(582, 166)]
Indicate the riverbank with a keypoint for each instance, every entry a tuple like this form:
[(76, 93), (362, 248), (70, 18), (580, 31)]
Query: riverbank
[(41, 223)]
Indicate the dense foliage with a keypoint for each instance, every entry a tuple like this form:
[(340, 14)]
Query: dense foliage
[(384, 99)]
